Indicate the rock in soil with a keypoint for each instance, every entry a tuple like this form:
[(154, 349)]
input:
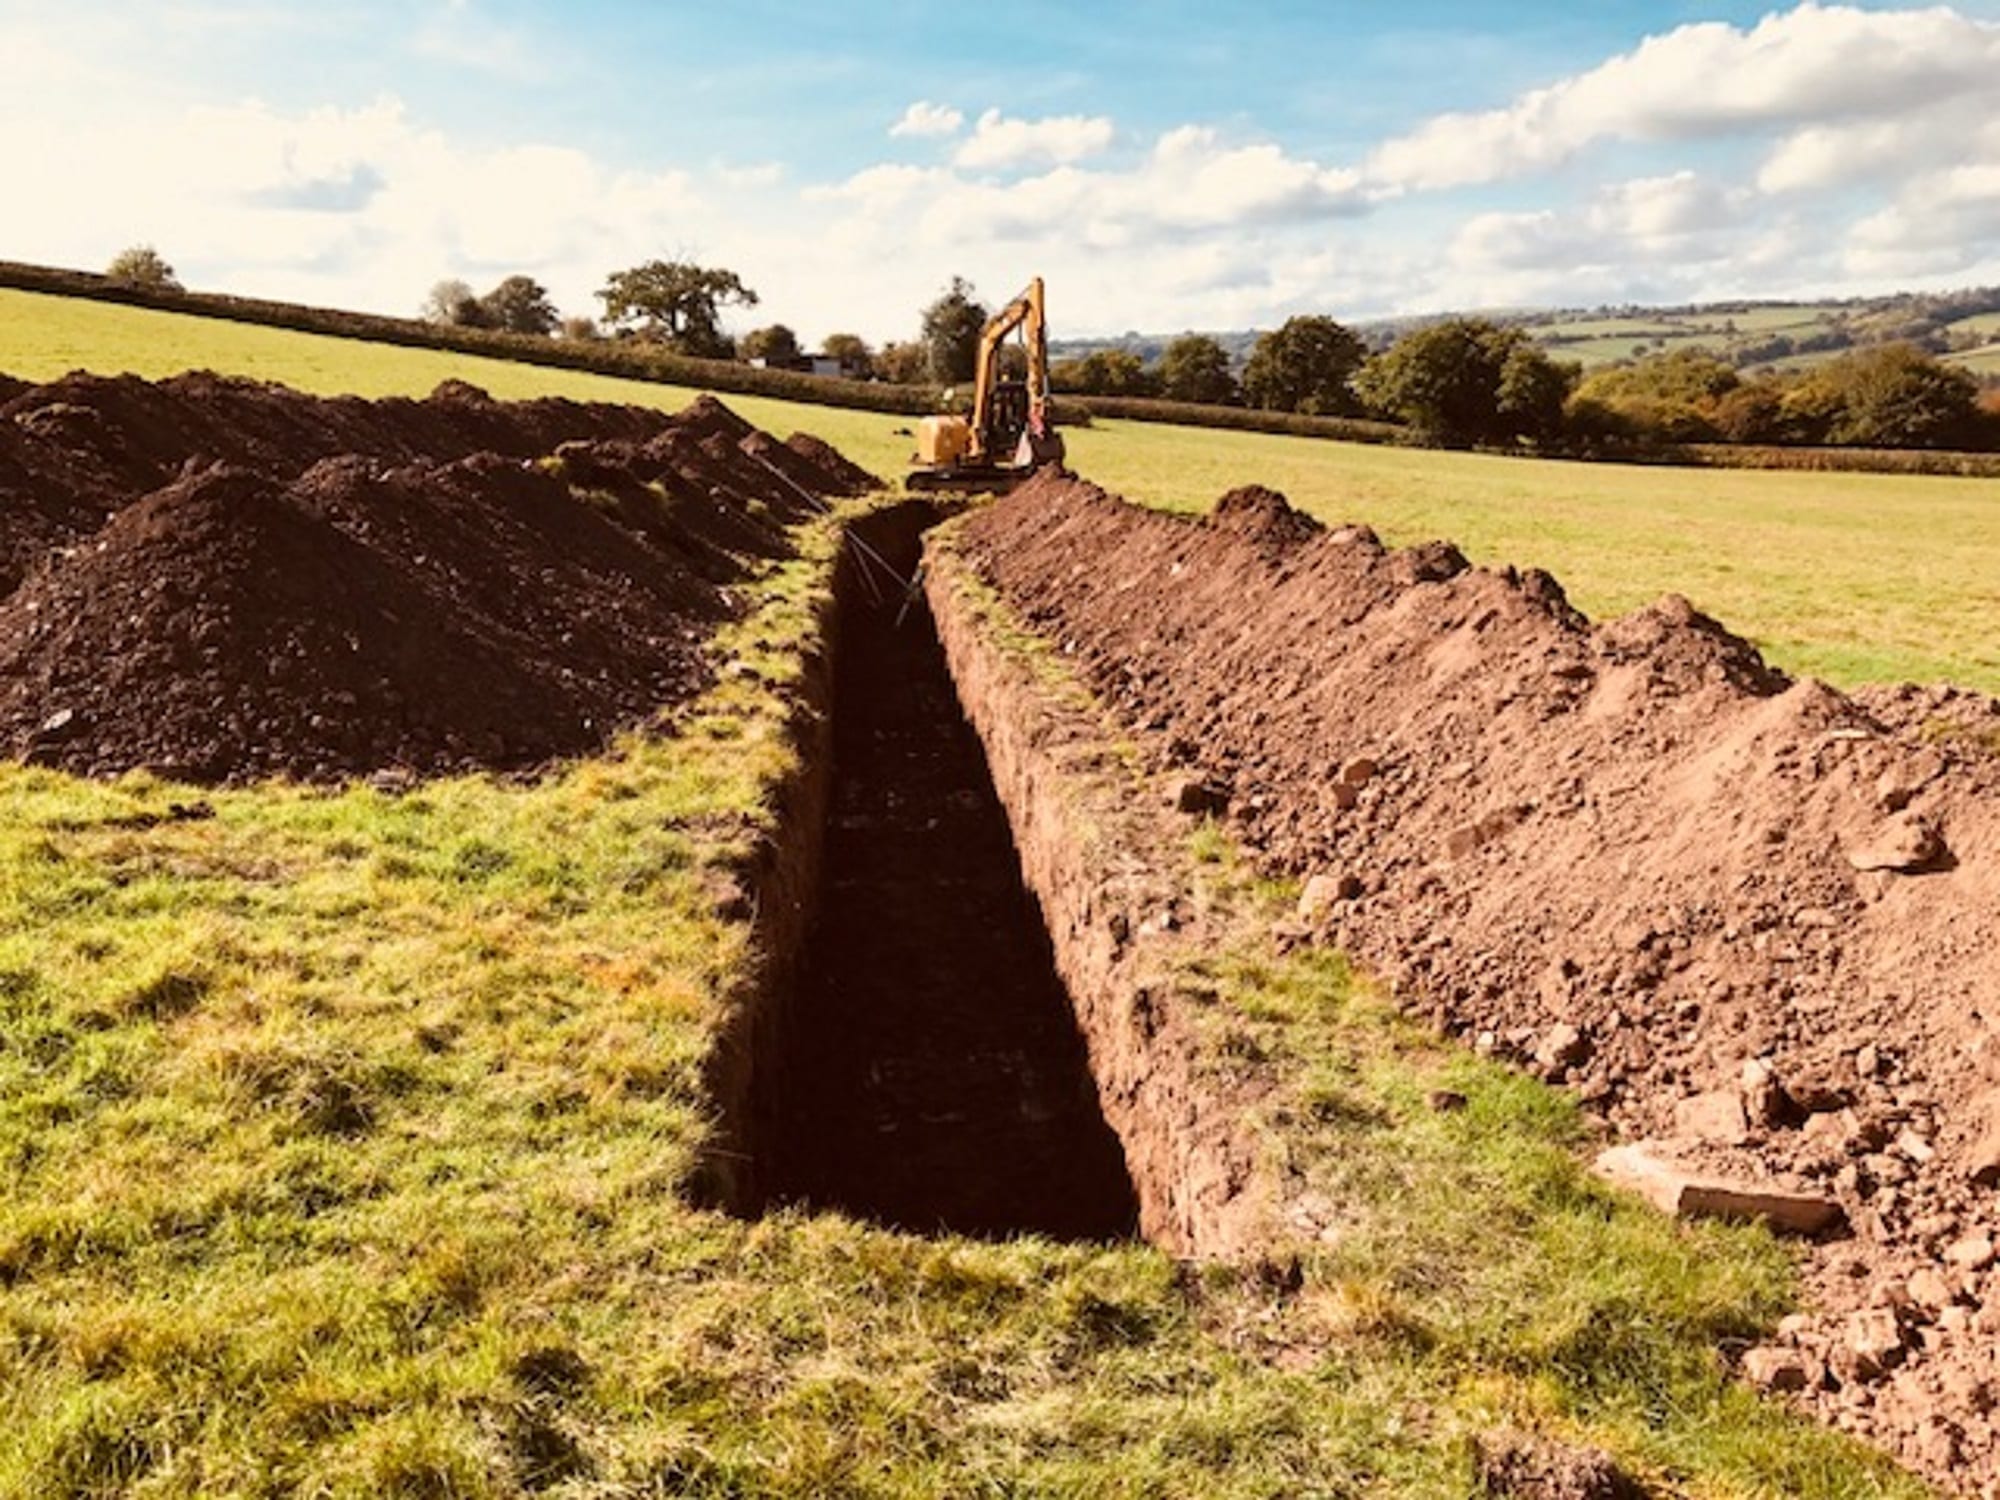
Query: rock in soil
[(1686, 1193)]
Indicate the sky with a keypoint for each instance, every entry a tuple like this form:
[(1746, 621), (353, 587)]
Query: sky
[(1164, 164)]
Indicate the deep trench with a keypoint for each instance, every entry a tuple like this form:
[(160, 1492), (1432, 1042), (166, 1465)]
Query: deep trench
[(933, 1079)]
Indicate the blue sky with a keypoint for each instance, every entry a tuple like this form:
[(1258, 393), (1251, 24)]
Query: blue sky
[(1165, 164)]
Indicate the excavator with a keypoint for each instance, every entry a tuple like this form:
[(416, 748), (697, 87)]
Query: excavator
[(1009, 434)]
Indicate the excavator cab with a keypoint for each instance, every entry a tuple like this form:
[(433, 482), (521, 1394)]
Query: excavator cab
[(1009, 417), (1008, 435)]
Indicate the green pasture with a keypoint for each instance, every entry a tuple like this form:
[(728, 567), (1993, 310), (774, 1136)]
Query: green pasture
[(1611, 328), (1984, 360), (1987, 325)]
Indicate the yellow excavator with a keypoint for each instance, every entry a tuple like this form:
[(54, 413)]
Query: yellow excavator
[(1009, 434)]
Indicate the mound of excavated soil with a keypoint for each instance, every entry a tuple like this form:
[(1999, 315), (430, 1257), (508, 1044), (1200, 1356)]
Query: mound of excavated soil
[(1753, 920), (222, 580), (75, 450)]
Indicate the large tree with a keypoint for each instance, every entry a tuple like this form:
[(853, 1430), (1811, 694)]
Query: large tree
[(905, 363), (453, 302), (951, 330), (1533, 393), (520, 304), (1306, 366), (142, 266), (776, 345), (1674, 396), (1890, 396), (1194, 367), (1468, 381), (677, 303)]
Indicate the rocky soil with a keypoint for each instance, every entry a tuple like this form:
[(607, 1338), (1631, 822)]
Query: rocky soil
[(221, 580), (1751, 921)]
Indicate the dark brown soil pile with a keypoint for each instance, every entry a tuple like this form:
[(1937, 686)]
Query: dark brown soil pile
[(1756, 921), (223, 580), (75, 450)]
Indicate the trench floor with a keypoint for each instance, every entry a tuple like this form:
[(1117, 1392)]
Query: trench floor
[(934, 1080)]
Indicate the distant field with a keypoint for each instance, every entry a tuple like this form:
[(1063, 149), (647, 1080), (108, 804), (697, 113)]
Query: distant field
[(1609, 350), (1780, 319), (1612, 328), (1985, 324), (1594, 341), (1847, 576), (1982, 361)]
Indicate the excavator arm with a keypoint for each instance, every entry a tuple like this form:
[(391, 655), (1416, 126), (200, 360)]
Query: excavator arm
[(1026, 313)]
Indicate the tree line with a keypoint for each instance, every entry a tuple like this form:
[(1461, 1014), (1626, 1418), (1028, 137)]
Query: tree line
[(1468, 381), (1460, 382)]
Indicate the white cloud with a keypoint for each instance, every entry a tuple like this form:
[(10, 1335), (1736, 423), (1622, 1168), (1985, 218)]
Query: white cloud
[(1942, 222), (1838, 150), (358, 208), (1195, 180), (1189, 183), (1665, 233), (925, 119), (1811, 64), (1841, 154), (763, 174), (882, 189), (999, 142)]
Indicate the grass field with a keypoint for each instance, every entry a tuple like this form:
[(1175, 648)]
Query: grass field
[(1851, 577), (345, 1133), (1610, 328), (1986, 325), (1984, 360)]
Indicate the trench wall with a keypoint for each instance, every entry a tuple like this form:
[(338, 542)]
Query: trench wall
[(742, 1073), (1100, 857)]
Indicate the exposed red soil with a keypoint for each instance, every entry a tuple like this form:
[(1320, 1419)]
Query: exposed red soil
[(1750, 918), (222, 580)]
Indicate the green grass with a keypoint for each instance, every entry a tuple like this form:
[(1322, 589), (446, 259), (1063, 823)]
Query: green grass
[(1767, 320), (345, 1135), (1610, 350), (1853, 577), (1984, 360), (1987, 325), (1627, 329)]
